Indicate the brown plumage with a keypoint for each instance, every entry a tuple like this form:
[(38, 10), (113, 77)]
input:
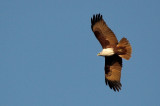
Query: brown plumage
[(102, 32), (113, 66), (113, 62)]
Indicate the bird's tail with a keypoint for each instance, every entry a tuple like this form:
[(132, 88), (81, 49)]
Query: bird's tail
[(124, 49)]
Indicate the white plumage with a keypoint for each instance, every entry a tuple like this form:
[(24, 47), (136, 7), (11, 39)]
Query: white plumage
[(106, 52)]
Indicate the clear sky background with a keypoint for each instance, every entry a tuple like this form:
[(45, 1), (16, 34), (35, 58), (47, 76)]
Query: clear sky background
[(48, 53)]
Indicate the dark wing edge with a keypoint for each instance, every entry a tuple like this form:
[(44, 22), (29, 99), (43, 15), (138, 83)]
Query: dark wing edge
[(113, 84), (96, 18), (113, 74)]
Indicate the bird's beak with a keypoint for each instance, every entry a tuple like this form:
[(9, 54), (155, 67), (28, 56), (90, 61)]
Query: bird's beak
[(98, 54)]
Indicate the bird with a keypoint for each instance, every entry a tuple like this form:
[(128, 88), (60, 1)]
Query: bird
[(112, 50)]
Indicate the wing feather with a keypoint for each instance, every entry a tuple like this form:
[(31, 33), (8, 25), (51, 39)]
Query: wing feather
[(102, 32), (113, 66)]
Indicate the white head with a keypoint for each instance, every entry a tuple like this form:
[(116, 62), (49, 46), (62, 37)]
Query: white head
[(106, 52)]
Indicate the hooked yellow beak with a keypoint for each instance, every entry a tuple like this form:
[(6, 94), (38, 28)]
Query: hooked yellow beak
[(98, 54)]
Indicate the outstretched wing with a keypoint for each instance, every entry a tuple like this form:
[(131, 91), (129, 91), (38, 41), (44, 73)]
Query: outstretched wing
[(102, 32), (113, 66)]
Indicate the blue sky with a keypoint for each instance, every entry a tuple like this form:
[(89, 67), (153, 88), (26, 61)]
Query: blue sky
[(48, 53)]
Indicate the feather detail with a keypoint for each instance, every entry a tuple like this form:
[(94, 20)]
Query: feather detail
[(124, 49)]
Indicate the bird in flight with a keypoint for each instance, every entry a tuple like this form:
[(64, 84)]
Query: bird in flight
[(113, 51)]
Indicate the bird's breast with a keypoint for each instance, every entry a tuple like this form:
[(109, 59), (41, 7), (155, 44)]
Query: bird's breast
[(107, 52)]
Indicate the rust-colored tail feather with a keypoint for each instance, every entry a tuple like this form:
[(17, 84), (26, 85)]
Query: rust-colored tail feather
[(124, 44)]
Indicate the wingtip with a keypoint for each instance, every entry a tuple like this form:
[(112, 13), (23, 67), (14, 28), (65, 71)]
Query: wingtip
[(95, 19), (116, 86)]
